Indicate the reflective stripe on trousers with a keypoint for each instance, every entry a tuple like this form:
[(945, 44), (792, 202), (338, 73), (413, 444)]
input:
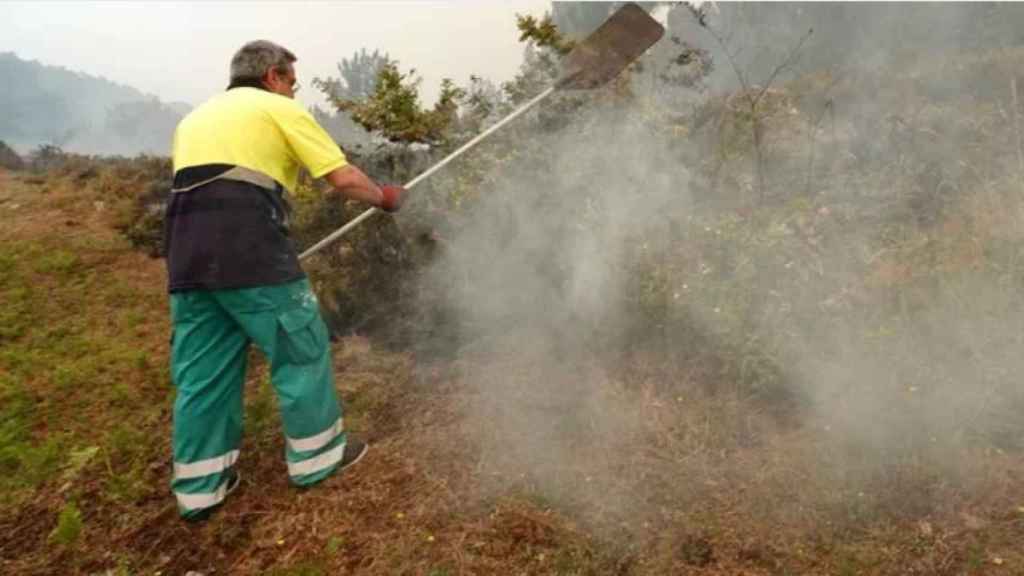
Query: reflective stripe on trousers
[(205, 467), (325, 461), (317, 441), (191, 502)]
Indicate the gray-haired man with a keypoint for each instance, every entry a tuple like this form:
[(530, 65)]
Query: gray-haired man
[(234, 278)]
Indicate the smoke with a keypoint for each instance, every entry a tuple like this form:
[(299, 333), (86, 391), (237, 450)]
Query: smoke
[(537, 279), (624, 289)]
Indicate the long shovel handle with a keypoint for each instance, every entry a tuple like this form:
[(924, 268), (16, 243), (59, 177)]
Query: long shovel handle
[(426, 174)]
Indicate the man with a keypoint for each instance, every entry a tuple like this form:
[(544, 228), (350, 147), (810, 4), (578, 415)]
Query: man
[(234, 278)]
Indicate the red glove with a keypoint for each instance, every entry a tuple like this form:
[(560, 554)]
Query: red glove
[(393, 197)]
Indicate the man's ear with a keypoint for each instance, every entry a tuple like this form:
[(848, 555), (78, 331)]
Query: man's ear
[(267, 79)]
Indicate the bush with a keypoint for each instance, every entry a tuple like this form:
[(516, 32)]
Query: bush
[(138, 188), (9, 159), (46, 157)]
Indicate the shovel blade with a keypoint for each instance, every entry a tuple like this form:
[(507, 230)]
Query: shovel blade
[(623, 37)]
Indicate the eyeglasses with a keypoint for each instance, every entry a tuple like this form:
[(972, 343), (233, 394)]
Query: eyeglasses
[(283, 74)]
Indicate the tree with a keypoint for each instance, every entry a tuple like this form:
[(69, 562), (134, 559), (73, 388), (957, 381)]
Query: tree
[(751, 93), (481, 103), (357, 76), (545, 45), (543, 33), (393, 108)]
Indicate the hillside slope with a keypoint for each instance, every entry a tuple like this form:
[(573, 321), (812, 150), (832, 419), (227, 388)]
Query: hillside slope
[(85, 401), (79, 112)]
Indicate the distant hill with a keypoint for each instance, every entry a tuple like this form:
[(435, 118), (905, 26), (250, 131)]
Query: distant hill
[(79, 112)]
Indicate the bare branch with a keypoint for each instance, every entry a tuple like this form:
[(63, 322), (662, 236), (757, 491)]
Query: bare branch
[(731, 57), (789, 61)]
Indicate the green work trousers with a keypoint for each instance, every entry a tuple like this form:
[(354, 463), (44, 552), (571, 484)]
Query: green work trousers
[(209, 350)]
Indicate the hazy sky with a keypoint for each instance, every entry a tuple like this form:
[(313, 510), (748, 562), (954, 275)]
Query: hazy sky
[(180, 51)]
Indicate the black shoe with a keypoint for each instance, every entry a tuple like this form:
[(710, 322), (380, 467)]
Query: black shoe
[(234, 479), (354, 451)]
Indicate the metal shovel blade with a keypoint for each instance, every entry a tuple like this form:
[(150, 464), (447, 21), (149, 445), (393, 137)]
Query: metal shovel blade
[(623, 37)]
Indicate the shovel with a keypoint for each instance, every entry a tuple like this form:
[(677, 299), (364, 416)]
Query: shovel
[(593, 62)]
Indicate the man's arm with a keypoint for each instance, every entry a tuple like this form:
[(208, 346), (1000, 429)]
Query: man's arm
[(313, 148), (352, 183)]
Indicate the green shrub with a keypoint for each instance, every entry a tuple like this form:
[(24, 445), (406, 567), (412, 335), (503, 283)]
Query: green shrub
[(139, 212)]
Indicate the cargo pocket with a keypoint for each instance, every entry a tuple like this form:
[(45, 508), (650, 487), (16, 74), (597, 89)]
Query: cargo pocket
[(303, 336)]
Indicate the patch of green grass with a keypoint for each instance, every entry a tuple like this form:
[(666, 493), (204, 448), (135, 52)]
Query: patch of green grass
[(855, 559), (8, 266), (115, 366), (64, 377), (78, 459), (334, 544), (124, 356), (100, 244), (122, 393), (141, 360), (975, 557), (360, 406), (127, 486), (69, 526), (848, 567), (23, 462), (20, 360), (133, 318), (126, 443), (79, 370), (126, 450), (27, 464), (16, 313), (58, 262), (78, 395)]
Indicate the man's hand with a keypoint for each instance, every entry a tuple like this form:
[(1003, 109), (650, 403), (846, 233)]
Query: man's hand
[(393, 197), (355, 185)]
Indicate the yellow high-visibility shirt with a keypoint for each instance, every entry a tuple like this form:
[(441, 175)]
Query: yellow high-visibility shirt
[(258, 130)]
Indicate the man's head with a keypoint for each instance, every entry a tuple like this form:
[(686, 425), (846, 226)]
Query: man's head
[(264, 63)]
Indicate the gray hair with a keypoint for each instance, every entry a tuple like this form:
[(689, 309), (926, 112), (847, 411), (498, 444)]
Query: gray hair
[(254, 59)]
